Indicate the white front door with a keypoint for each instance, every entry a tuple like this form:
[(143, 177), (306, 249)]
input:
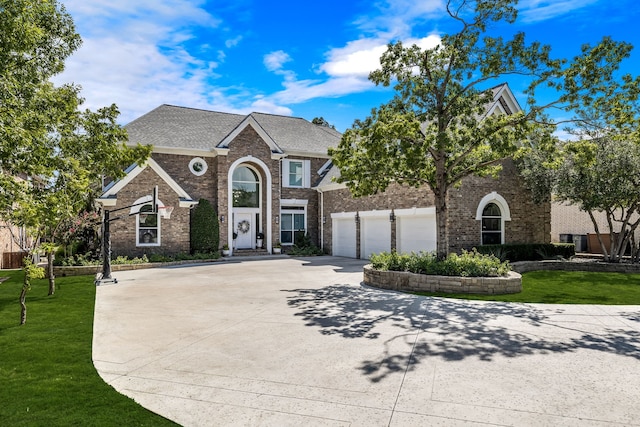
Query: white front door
[(244, 225)]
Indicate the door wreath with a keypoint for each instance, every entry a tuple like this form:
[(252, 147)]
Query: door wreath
[(244, 226)]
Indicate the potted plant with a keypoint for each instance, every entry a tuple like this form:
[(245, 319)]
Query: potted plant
[(259, 239), (225, 250), (277, 248)]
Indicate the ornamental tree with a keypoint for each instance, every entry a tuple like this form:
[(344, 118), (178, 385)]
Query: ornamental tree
[(52, 154), (600, 170), (435, 131)]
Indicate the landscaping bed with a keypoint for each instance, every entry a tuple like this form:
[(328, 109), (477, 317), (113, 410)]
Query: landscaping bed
[(412, 282)]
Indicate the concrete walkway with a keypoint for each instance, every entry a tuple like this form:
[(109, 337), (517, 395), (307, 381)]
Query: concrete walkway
[(299, 342)]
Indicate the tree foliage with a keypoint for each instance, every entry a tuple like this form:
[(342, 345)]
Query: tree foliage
[(52, 154), (205, 230), (436, 131), (321, 121), (603, 175)]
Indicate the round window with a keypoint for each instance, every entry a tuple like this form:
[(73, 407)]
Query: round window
[(197, 166)]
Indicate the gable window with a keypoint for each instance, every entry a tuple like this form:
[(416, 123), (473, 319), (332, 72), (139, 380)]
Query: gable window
[(198, 166), (491, 225), (148, 224), (246, 188), (293, 224), (296, 173)]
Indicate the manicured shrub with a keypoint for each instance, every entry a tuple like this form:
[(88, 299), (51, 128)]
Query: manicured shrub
[(304, 247), (529, 251), (205, 232), (469, 264)]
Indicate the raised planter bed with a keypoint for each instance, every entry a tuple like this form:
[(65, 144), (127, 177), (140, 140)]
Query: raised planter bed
[(411, 282), (83, 270)]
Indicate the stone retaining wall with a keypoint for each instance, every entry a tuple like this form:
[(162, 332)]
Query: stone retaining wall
[(590, 266), (411, 282), (84, 270)]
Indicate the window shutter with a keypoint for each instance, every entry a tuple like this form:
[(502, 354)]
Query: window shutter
[(307, 173), (285, 172)]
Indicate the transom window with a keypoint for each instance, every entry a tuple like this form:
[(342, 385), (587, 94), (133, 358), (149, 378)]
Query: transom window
[(491, 225), (293, 224), (148, 227), (246, 188)]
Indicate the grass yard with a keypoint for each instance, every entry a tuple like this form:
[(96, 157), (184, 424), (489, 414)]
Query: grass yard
[(47, 376), (570, 287)]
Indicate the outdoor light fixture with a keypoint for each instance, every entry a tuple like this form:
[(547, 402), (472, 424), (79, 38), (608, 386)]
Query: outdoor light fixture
[(324, 219), (221, 218), (277, 219)]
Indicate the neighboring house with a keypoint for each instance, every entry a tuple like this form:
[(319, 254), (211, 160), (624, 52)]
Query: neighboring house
[(12, 241), (271, 174), (569, 224)]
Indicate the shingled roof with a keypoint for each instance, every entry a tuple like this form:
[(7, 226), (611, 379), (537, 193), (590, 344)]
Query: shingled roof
[(173, 127)]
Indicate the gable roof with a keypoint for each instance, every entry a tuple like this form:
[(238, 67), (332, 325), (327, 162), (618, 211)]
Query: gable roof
[(110, 195), (179, 128), (504, 102)]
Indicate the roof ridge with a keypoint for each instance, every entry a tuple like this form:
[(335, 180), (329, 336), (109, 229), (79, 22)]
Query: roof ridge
[(200, 109)]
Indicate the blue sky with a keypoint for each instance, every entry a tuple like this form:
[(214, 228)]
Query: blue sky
[(305, 59)]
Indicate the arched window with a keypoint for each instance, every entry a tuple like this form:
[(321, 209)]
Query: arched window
[(147, 222), (246, 188), (491, 225)]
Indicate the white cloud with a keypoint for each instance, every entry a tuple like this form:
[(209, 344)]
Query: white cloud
[(541, 10), (394, 19), (233, 42), (265, 106), (359, 58), (274, 61)]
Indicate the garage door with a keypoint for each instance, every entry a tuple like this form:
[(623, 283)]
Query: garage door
[(344, 236), (416, 230), (375, 233)]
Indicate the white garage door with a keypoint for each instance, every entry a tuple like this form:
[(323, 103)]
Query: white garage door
[(416, 230), (375, 234), (344, 236)]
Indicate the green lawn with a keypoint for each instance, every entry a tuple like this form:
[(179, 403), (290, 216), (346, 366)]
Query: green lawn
[(47, 377), (570, 287)]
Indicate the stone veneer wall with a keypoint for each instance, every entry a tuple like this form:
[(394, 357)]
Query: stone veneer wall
[(411, 282)]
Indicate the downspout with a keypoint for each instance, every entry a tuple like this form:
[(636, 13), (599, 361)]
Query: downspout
[(321, 219)]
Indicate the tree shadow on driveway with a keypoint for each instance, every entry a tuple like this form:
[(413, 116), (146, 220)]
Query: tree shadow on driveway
[(450, 329)]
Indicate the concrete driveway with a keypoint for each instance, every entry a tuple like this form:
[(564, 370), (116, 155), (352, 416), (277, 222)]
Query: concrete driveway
[(300, 342)]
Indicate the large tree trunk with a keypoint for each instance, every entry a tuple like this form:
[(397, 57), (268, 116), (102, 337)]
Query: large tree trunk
[(442, 216), (52, 277)]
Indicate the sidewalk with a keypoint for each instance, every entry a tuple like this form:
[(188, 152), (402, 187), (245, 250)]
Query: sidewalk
[(291, 342)]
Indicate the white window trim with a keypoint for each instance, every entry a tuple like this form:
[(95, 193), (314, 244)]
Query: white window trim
[(505, 212), (306, 173), (135, 211), (284, 210), (198, 160)]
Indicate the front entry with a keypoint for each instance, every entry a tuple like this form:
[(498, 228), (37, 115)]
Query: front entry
[(244, 226)]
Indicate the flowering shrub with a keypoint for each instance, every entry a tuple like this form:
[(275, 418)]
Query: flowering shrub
[(467, 264)]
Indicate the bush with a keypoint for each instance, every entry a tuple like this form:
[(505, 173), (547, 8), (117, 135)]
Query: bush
[(204, 232), (304, 247), (529, 251), (469, 264)]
